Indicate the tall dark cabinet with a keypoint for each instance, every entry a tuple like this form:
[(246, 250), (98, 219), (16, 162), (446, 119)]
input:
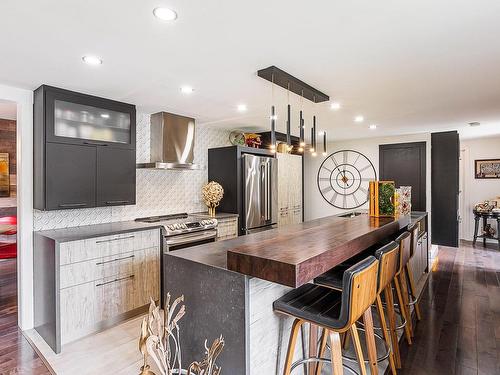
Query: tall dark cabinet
[(445, 188), (84, 150)]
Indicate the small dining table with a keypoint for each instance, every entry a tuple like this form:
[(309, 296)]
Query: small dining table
[(485, 215)]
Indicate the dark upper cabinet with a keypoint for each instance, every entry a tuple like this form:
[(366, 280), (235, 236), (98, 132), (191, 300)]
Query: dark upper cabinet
[(83, 150), (74, 183), (115, 176)]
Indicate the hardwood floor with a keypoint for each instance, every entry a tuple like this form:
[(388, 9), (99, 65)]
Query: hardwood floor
[(460, 328), (16, 354)]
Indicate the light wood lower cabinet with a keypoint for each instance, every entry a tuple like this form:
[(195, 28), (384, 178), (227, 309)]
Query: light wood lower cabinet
[(289, 189), (227, 228), (98, 282)]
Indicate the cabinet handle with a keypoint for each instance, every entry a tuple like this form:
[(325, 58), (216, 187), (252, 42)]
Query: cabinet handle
[(115, 239), (117, 202), (116, 280), (72, 204), (114, 260), (95, 144)]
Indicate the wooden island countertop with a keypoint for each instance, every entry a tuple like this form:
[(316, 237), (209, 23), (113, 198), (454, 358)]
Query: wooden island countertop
[(294, 258)]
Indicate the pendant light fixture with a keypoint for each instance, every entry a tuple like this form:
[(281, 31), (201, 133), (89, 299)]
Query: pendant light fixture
[(302, 144), (313, 137), (324, 143), (273, 118), (288, 122)]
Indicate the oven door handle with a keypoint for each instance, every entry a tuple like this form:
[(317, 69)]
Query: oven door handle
[(184, 239)]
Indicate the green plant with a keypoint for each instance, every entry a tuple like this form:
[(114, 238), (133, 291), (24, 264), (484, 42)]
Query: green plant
[(386, 199)]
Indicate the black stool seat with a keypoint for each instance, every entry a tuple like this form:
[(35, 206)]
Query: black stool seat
[(321, 305), (313, 303)]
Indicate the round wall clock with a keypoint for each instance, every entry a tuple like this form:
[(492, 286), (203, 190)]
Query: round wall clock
[(344, 179)]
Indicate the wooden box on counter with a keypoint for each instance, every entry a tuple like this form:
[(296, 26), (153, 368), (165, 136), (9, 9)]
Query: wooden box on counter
[(382, 199)]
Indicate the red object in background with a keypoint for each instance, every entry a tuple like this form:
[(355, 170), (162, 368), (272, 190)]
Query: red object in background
[(8, 249), (9, 220)]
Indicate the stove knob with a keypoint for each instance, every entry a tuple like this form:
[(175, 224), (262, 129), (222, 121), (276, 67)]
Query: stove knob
[(177, 226), (183, 226), (203, 222), (170, 227)]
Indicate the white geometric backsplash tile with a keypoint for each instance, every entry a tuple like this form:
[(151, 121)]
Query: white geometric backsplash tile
[(158, 191)]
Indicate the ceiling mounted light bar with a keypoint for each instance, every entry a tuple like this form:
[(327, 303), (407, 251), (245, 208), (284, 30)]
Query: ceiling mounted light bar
[(295, 85)]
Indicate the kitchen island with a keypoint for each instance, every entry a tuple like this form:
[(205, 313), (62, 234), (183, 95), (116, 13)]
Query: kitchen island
[(230, 286)]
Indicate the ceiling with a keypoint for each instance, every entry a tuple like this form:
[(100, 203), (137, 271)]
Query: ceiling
[(406, 66)]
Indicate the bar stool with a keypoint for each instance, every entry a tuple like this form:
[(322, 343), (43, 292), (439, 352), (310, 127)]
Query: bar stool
[(336, 312), (388, 266), (404, 241), (413, 229)]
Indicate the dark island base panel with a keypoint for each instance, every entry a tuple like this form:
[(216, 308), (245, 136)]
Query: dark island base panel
[(215, 305)]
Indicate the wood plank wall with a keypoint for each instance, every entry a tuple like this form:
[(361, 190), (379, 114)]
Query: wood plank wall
[(8, 144)]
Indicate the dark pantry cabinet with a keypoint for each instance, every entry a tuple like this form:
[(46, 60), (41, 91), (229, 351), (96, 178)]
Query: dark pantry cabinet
[(84, 151)]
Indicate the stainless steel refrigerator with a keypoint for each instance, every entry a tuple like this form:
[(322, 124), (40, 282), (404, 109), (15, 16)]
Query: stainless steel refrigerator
[(260, 193)]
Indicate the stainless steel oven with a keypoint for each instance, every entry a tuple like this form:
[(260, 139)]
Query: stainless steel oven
[(181, 241)]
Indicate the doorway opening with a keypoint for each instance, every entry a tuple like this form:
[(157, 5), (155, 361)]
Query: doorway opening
[(8, 211)]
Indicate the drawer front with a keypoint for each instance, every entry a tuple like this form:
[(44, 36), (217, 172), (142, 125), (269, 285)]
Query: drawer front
[(105, 246), (227, 229), (97, 269)]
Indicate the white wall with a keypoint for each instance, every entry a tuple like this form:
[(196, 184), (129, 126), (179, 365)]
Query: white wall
[(476, 190), (314, 204)]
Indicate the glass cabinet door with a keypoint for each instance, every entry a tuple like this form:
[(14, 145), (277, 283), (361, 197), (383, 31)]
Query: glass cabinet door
[(74, 120)]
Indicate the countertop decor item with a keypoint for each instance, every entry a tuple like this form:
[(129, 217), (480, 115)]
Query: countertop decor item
[(4, 175), (212, 195), (403, 194), (343, 179), (487, 168), (237, 138), (253, 140), (382, 199)]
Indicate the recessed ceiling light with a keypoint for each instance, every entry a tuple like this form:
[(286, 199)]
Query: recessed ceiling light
[(105, 115), (335, 106), (474, 123), (187, 89), (92, 60), (165, 14), (373, 127), (359, 119), (242, 107)]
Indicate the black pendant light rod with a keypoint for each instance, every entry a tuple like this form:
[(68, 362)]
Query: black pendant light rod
[(313, 134), (324, 143), (301, 130), (273, 127), (288, 128)]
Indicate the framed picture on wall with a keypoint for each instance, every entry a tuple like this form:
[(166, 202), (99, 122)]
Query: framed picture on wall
[(4, 175), (487, 168)]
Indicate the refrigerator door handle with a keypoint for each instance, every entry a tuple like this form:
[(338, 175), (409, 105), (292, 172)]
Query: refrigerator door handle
[(262, 187), (266, 192), (269, 191)]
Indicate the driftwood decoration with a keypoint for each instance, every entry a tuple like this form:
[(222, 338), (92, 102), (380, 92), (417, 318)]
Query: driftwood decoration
[(212, 194), (207, 366), (160, 341), (160, 337)]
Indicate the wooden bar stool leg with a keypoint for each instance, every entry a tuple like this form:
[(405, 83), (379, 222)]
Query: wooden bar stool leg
[(403, 284), (370, 341), (357, 347), (336, 350), (321, 352), (389, 299), (345, 340), (297, 323), (387, 339), (413, 291), (402, 309), (313, 347)]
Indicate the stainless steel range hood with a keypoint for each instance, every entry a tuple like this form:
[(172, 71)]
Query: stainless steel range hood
[(172, 142)]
